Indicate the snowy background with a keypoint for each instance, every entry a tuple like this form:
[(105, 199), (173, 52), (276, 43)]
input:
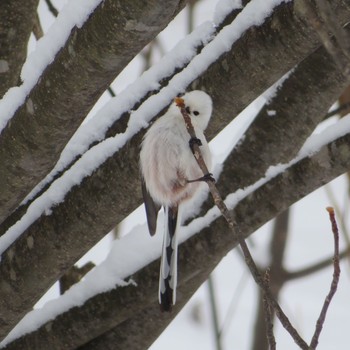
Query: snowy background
[(309, 241)]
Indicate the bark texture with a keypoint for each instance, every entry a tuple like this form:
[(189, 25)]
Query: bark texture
[(91, 209), (69, 87), (198, 256), (16, 23)]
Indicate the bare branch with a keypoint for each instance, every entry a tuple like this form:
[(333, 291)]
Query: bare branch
[(214, 313), (236, 231), (198, 256), (51, 8), (326, 262), (31, 144), (327, 14), (323, 26), (16, 23), (268, 316), (276, 274), (53, 251), (334, 284)]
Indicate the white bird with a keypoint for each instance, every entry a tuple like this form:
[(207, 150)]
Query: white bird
[(170, 176)]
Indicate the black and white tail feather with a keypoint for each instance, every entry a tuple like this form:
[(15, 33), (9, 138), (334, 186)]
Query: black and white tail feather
[(168, 265)]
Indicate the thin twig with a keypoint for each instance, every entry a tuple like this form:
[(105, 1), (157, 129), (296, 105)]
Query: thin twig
[(226, 214), (214, 311), (111, 91), (51, 8), (235, 300), (268, 316), (334, 284)]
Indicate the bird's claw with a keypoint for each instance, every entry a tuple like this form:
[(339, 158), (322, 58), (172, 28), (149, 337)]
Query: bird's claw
[(206, 178), (194, 141)]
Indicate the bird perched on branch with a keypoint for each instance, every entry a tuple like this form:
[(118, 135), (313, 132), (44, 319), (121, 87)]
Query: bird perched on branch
[(170, 176)]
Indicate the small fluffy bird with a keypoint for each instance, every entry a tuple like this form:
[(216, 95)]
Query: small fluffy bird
[(171, 176)]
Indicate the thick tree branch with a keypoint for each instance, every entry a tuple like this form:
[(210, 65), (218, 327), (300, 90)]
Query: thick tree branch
[(323, 21), (283, 40), (69, 87), (200, 254), (280, 43), (57, 238), (118, 126), (283, 125), (291, 36), (16, 23)]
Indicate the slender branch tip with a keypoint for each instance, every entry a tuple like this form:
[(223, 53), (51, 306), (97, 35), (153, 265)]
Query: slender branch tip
[(330, 210)]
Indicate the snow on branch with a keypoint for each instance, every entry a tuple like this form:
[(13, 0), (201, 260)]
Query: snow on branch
[(48, 113), (133, 252), (98, 154), (213, 41), (73, 14), (94, 225)]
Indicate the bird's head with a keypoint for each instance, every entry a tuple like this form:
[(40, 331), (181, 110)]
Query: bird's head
[(199, 106)]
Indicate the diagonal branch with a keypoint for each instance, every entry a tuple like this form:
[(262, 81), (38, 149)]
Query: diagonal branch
[(120, 122), (200, 254), (234, 228), (101, 200), (322, 19), (16, 23), (283, 41), (334, 284), (31, 144)]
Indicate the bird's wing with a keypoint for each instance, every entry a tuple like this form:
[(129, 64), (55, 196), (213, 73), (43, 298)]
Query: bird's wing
[(151, 207)]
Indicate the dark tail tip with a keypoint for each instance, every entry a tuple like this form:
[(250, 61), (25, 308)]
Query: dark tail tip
[(166, 300)]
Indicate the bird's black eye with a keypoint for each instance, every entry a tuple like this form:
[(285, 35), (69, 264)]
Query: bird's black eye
[(188, 110), (195, 112)]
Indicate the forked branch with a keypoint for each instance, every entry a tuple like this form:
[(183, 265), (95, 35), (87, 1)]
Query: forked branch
[(226, 214), (263, 282)]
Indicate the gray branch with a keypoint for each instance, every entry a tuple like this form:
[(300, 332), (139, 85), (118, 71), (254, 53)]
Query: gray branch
[(53, 243), (16, 23), (197, 257), (83, 69)]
